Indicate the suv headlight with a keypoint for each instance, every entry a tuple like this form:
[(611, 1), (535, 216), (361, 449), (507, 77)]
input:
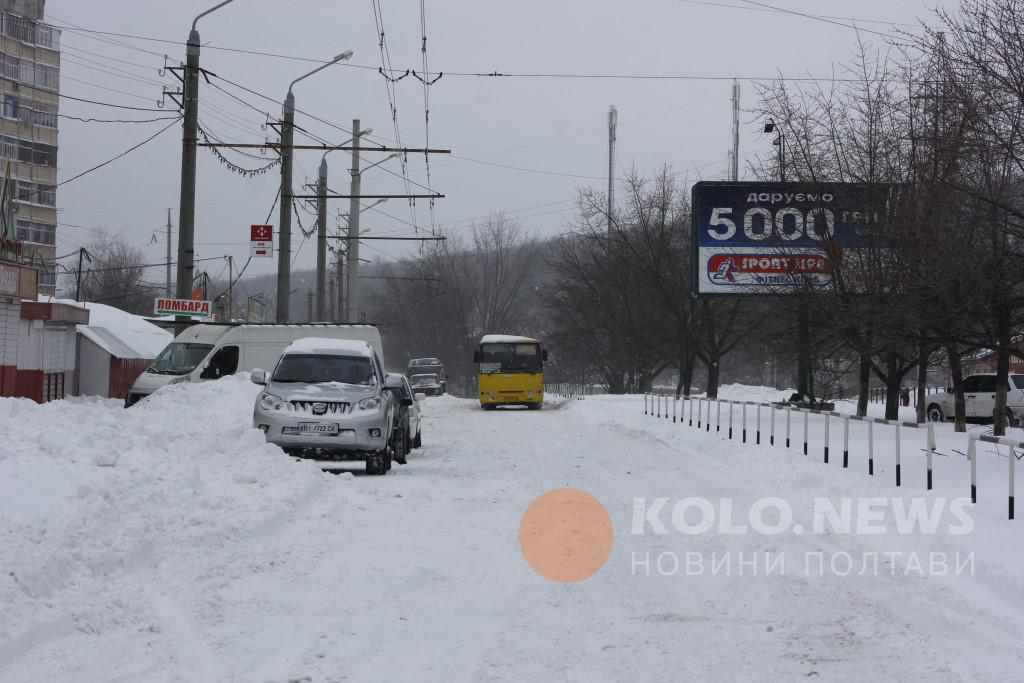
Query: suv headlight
[(371, 403), (271, 402)]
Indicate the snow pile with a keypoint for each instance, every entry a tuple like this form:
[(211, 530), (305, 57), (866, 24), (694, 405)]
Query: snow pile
[(324, 345), (89, 489), (144, 338)]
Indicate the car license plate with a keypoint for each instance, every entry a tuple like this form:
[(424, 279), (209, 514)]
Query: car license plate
[(318, 428)]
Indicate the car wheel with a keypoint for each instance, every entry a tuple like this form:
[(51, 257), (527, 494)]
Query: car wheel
[(488, 406), (935, 413), (378, 463), (1011, 419)]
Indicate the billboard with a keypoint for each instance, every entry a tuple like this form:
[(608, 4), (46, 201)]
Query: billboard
[(767, 238)]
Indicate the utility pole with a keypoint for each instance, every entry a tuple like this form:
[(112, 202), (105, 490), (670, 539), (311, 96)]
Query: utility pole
[(284, 252), (735, 175), (321, 242), (190, 127), (231, 286), (309, 305), (82, 252), (169, 293), (613, 122), (187, 202), (352, 271)]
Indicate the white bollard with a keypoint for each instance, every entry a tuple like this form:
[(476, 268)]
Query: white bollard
[(789, 415), (757, 432), (871, 447), (846, 442), (718, 416), (899, 472), (730, 419), (807, 417), (743, 418), (827, 423), (771, 428), (972, 453), (930, 451), (1013, 465)]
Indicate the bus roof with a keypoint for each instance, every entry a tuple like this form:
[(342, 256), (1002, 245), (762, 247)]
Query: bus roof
[(506, 339)]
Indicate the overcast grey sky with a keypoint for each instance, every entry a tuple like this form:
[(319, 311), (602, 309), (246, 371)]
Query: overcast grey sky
[(557, 125)]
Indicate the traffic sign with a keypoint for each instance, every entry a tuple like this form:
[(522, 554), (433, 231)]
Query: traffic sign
[(261, 240)]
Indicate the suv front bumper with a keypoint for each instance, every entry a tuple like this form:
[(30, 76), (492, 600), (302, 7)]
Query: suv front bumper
[(357, 433)]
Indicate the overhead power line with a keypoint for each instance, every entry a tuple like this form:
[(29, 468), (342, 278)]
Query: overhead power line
[(128, 107), (752, 8), (122, 154), (94, 120), (543, 74), (812, 17)]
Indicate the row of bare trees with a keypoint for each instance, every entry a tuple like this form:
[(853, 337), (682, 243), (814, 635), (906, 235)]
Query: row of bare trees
[(936, 119)]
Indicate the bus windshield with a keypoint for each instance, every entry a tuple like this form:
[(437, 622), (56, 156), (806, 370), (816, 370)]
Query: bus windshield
[(496, 358), (179, 358)]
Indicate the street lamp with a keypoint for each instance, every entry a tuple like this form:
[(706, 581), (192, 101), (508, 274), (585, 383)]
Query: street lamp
[(780, 142), (190, 132), (287, 134)]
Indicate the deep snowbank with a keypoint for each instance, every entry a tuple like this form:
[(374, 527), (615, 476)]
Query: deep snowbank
[(88, 488)]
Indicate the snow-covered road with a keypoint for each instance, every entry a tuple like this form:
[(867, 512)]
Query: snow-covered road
[(202, 555)]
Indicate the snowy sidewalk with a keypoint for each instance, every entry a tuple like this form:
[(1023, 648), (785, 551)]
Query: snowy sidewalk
[(204, 555)]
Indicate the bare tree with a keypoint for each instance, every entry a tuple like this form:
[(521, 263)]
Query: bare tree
[(115, 276)]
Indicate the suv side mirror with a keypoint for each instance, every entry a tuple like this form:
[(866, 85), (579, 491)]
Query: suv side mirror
[(211, 371), (393, 383), (477, 356), (420, 396), (259, 376), (544, 355)]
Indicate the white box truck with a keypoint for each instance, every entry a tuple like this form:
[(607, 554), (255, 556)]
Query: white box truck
[(213, 350)]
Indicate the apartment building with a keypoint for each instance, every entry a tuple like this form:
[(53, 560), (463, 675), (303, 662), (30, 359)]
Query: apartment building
[(29, 83)]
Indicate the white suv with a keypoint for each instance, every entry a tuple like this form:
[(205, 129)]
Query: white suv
[(979, 400)]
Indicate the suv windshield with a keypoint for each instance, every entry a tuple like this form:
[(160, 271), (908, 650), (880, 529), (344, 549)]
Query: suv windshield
[(179, 358), (510, 358), (317, 369)]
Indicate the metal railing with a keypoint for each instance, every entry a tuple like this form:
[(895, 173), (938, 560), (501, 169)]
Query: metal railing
[(697, 412)]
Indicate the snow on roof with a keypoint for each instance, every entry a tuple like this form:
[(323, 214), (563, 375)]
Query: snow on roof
[(118, 332), (330, 346), (506, 339)]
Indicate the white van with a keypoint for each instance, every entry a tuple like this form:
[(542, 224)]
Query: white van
[(212, 350)]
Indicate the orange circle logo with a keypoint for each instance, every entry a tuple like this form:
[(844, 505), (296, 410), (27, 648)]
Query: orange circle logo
[(566, 535)]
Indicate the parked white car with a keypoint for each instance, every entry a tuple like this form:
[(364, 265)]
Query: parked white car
[(328, 400), (979, 400), (406, 433)]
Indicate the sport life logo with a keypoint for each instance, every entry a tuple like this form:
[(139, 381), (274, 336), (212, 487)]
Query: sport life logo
[(738, 268)]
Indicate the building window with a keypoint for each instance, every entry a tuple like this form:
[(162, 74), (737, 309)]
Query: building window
[(44, 155), (46, 77), (10, 110), (8, 147), (48, 277), (36, 193), (39, 233), (28, 152)]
